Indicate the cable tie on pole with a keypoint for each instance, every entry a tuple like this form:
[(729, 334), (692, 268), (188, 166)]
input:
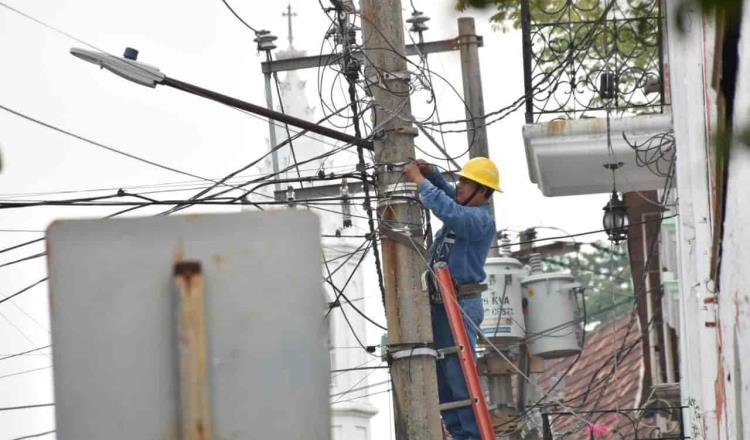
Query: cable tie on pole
[(378, 134), (395, 355), (409, 350)]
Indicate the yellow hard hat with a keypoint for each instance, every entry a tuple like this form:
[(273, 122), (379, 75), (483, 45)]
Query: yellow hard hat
[(482, 171)]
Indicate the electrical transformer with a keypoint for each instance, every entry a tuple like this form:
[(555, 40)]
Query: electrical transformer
[(552, 319), (503, 310)]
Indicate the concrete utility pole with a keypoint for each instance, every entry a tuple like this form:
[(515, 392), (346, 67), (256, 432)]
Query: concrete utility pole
[(407, 306), (469, 43), (272, 132), (266, 44), (476, 130)]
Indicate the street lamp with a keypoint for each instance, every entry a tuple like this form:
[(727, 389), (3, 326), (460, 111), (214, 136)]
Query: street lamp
[(127, 67), (615, 219)]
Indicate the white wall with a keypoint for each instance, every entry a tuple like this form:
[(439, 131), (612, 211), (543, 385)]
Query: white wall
[(350, 418), (734, 300), (692, 109)]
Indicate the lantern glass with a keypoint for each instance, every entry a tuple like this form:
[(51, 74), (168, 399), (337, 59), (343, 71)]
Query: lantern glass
[(608, 221), (615, 220)]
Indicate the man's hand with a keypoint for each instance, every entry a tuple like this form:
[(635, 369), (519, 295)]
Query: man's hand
[(424, 167), (413, 172)]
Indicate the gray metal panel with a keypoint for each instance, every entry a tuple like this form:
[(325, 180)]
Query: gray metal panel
[(112, 306)]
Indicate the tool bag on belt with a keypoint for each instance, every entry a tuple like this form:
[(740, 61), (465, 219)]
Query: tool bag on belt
[(463, 291)]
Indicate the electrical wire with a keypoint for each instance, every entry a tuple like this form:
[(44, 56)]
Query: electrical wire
[(20, 245), (18, 329), (366, 387), (23, 353), (238, 17), (21, 260), (286, 126), (366, 395), (15, 408), (560, 237), (618, 354), (503, 112), (74, 38), (265, 178), (351, 78), (18, 373), (100, 145), (22, 230), (25, 289), (352, 388), (50, 27), (295, 161), (152, 188), (340, 293), (344, 370), (151, 201), (499, 352), (41, 434)]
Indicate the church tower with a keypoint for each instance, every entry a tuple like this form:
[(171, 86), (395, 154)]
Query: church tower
[(350, 408)]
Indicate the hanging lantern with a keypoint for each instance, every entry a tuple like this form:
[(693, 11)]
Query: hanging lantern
[(615, 219), (607, 85)]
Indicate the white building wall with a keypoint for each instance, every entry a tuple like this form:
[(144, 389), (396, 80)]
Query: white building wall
[(734, 300), (351, 411), (348, 423), (692, 107)]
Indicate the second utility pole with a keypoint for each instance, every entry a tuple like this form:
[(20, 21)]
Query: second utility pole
[(407, 306)]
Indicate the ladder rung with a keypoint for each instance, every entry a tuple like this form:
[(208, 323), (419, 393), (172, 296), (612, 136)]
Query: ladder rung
[(448, 350), (455, 405)]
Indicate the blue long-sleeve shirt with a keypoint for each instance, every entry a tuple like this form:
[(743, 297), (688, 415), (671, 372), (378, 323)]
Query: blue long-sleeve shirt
[(472, 226)]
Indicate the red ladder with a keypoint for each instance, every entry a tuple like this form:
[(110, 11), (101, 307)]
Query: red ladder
[(465, 356)]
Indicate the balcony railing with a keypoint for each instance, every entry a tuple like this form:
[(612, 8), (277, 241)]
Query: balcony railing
[(569, 44)]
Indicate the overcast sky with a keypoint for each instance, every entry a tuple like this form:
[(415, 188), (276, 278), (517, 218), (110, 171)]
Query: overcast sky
[(202, 43)]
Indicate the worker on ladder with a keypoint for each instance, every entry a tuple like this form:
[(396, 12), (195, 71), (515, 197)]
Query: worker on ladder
[(463, 243)]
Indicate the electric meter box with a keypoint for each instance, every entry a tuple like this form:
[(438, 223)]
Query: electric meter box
[(503, 312), (551, 315)]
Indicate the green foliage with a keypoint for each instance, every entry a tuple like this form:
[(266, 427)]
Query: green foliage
[(508, 11), (728, 8), (744, 136), (574, 42), (606, 277)]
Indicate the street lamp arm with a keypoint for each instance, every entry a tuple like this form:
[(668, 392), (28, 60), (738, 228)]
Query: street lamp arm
[(268, 113), (150, 76), (131, 70)]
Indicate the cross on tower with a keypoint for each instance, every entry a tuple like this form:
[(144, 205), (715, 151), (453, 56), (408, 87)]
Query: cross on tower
[(289, 14)]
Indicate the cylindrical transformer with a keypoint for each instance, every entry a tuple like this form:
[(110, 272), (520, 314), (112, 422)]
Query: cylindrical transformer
[(503, 311), (552, 325)]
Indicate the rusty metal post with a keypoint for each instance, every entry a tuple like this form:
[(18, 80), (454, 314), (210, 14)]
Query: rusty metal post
[(195, 399), (407, 306)]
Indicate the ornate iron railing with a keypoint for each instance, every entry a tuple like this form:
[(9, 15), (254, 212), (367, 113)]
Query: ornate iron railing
[(569, 44), (648, 423)]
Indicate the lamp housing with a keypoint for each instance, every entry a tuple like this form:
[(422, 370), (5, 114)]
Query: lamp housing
[(615, 220)]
